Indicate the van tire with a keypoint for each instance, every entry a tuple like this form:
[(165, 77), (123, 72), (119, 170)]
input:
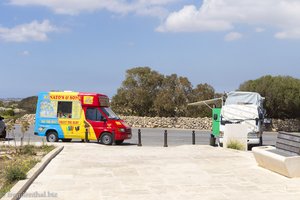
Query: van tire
[(52, 136), (106, 139)]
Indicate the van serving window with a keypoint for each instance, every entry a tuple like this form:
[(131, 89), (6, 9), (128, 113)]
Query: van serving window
[(64, 109)]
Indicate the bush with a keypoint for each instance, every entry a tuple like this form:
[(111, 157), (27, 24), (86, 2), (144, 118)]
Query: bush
[(18, 170), (15, 173), (28, 150), (234, 144)]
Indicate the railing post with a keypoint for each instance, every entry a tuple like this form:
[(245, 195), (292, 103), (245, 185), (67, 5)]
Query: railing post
[(113, 138), (139, 138), (86, 135), (193, 138), (166, 138)]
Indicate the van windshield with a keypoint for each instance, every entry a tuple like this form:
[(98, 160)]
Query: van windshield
[(110, 114)]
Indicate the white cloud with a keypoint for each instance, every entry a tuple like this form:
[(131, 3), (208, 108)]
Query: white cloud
[(259, 30), (73, 7), (189, 19), (233, 36), (224, 15), (25, 53), (33, 31), (289, 34)]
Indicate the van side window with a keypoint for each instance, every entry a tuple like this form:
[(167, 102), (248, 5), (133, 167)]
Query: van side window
[(64, 109), (93, 114)]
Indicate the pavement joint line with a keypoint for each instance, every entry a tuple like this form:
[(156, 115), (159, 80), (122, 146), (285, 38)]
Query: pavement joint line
[(21, 186)]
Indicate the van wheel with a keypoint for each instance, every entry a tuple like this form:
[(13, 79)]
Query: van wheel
[(106, 139), (118, 142), (52, 136)]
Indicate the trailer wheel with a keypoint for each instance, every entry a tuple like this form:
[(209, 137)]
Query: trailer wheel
[(106, 139), (52, 136)]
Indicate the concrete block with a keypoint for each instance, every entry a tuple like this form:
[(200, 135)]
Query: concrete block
[(288, 166), (235, 132)]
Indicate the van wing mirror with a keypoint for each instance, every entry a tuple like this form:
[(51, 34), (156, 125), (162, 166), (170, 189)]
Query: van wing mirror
[(103, 119)]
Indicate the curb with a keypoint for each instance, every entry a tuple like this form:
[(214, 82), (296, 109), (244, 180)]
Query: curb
[(20, 187)]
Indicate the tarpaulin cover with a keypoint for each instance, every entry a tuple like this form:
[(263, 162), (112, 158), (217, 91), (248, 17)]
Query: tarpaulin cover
[(244, 98)]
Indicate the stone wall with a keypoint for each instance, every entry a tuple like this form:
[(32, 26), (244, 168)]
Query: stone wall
[(170, 122), (186, 123), (289, 125)]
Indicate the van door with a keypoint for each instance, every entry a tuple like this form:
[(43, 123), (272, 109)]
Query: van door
[(95, 118)]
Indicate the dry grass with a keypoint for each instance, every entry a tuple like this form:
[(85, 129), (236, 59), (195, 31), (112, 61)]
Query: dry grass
[(15, 162)]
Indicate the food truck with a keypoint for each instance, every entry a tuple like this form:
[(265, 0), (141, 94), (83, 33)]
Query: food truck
[(77, 115)]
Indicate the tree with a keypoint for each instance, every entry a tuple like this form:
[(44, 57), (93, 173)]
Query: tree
[(282, 95), (200, 93), (145, 92), (173, 96), (138, 91)]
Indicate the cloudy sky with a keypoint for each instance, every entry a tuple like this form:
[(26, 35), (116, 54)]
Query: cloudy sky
[(88, 45)]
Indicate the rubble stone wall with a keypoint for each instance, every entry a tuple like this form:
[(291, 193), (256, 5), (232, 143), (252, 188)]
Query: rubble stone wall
[(187, 123)]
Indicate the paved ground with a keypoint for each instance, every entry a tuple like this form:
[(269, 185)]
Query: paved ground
[(92, 171)]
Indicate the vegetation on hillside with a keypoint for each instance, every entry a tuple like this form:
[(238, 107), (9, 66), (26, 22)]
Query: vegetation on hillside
[(28, 104)]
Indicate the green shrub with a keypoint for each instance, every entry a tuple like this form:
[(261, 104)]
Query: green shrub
[(18, 170), (15, 173), (234, 144)]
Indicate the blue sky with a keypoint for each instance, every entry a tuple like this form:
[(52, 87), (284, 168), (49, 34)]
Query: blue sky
[(88, 45)]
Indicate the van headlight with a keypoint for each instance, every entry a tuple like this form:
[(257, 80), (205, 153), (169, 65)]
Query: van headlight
[(41, 129), (122, 130)]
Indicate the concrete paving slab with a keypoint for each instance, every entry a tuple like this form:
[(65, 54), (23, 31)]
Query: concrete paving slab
[(92, 171)]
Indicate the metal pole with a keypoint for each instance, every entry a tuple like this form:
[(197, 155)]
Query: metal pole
[(193, 138), (86, 135), (113, 138), (139, 138), (166, 138)]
